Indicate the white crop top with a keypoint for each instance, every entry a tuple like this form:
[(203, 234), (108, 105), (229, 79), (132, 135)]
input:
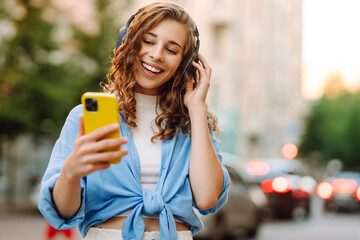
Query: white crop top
[(149, 152)]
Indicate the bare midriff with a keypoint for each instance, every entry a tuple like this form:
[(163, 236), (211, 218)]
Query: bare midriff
[(151, 224)]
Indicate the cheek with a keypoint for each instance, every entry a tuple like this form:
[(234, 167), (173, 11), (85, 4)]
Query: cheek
[(176, 64), (141, 53), (142, 50)]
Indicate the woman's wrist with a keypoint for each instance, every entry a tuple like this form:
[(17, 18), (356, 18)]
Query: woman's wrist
[(69, 178), (198, 115), (197, 109)]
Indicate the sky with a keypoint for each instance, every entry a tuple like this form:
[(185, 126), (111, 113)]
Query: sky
[(331, 43)]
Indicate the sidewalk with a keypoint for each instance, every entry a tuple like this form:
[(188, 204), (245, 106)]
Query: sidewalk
[(29, 225)]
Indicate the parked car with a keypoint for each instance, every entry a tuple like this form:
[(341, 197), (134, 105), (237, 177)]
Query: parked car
[(242, 214), (284, 182), (341, 192)]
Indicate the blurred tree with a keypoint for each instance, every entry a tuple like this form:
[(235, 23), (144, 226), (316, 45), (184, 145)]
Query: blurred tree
[(332, 127), (334, 86), (48, 61)]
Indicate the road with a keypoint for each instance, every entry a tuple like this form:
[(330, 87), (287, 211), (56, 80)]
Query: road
[(25, 226), (331, 226), (320, 226)]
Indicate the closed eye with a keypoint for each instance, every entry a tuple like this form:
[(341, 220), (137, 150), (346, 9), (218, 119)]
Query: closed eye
[(148, 42), (171, 51)]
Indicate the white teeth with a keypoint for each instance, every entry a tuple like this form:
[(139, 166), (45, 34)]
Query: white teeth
[(150, 68)]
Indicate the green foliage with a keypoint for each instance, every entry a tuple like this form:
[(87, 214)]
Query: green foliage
[(333, 128), (42, 72)]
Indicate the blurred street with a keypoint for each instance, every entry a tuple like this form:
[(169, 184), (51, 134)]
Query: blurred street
[(330, 226), (25, 225), (320, 226)]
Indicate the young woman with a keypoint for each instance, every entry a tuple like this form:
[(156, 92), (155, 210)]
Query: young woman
[(171, 162)]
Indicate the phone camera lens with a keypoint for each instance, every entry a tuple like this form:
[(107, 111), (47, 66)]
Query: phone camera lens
[(91, 104)]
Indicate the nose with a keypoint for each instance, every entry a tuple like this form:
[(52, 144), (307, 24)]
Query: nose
[(156, 53)]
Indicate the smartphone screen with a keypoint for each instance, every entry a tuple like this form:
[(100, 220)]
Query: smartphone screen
[(100, 109)]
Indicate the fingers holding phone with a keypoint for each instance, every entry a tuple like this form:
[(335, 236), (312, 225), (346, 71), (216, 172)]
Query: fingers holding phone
[(98, 142), (100, 109)]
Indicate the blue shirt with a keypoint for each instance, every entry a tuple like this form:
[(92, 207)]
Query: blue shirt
[(110, 192)]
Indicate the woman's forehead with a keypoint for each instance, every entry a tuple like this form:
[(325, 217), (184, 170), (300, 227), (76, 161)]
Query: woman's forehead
[(171, 31)]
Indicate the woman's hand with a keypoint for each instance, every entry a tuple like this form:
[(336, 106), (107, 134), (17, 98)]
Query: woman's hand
[(196, 97), (89, 155)]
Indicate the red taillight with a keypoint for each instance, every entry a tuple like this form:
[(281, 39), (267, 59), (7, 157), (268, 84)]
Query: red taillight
[(278, 184), (344, 185), (357, 194), (266, 185), (257, 168), (281, 185), (324, 190)]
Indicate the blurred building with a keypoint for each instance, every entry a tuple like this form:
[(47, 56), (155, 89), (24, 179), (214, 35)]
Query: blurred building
[(254, 49)]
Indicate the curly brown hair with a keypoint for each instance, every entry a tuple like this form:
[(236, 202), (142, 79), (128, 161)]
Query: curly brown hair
[(121, 78)]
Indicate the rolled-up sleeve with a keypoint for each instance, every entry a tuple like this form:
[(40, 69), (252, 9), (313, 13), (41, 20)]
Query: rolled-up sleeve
[(61, 151), (48, 209)]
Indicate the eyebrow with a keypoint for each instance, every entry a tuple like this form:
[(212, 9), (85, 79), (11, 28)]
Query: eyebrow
[(171, 41)]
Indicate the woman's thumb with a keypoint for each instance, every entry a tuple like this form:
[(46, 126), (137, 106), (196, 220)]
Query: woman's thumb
[(81, 130)]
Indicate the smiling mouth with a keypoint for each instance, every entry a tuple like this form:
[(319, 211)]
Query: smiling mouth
[(150, 68)]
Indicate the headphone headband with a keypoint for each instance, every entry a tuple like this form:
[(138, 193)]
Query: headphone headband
[(123, 31)]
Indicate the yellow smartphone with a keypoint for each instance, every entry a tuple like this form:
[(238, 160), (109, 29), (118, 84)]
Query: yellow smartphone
[(100, 109)]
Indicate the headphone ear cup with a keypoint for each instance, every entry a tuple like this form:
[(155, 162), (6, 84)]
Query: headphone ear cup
[(190, 68), (121, 35)]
